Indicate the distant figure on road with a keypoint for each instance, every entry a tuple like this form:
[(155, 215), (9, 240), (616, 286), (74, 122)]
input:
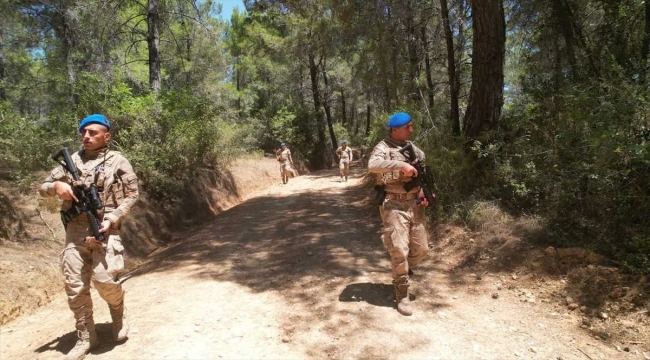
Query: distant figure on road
[(345, 156), (402, 213), (84, 256), (283, 154)]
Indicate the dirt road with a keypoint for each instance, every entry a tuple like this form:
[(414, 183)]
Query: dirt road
[(299, 272)]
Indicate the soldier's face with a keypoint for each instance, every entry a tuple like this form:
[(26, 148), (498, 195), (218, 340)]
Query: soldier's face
[(403, 132), (95, 136)]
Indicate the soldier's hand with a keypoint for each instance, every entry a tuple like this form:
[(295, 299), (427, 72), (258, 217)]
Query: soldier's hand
[(409, 170), (105, 225), (423, 199), (64, 191)]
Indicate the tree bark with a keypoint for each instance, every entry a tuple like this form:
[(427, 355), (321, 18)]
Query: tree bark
[(427, 67), (63, 31), (454, 87), (486, 93), (328, 114), (353, 118), (153, 42), (564, 24), (320, 159), (412, 51), (645, 48), (3, 94), (367, 119), (344, 117)]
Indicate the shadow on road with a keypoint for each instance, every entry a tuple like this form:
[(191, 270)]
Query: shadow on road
[(372, 293)]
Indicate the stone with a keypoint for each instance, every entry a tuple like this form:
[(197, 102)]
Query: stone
[(603, 315), (569, 300), (573, 306), (579, 253), (550, 251)]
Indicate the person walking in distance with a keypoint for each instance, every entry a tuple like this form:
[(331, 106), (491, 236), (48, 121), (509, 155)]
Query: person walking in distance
[(283, 154), (84, 257), (345, 157), (404, 234)]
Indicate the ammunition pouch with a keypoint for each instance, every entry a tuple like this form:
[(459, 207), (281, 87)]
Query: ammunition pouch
[(70, 214), (411, 185), (381, 194)]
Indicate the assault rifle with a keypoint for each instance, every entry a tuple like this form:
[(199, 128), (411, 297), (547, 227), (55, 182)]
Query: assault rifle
[(88, 196), (424, 179)]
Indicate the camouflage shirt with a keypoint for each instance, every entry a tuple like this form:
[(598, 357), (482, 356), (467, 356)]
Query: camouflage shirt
[(284, 155), (386, 163), (344, 154), (113, 175)]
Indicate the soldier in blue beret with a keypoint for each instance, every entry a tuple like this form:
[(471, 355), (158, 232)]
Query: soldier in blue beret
[(84, 257), (402, 212), (344, 154), (283, 154)]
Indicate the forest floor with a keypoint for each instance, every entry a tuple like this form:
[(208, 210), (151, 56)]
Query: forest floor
[(298, 272)]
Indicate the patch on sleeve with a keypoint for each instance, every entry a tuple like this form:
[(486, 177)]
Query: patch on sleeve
[(379, 151), (57, 174), (131, 179)]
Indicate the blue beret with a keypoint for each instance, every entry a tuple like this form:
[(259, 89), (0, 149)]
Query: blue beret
[(282, 144), (94, 119), (344, 142), (399, 119)]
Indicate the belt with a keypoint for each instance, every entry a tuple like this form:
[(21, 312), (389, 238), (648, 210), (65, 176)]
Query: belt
[(398, 196)]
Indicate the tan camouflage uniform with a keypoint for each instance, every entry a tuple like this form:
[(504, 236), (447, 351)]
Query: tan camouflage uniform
[(118, 186), (404, 233), (284, 157), (345, 156)]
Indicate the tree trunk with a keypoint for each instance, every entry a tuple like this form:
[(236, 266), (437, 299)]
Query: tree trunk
[(367, 119), (344, 117), (645, 48), (63, 31), (412, 50), (320, 159), (561, 15), (427, 67), (486, 93), (454, 87), (328, 114), (354, 120), (153, 42), (3, 94)]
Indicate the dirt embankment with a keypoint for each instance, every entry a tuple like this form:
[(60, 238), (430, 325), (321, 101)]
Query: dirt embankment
[(31, 233)]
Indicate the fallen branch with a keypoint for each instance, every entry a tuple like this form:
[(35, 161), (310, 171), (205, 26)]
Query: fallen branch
[(38, 210), (587, 355)]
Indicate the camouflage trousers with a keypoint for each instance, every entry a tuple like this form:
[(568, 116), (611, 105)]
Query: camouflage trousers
[(80, 261), (344, 167), (404, 236), (285, 169)]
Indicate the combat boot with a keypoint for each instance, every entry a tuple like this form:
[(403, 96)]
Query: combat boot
[(86, 342), (120, 325), (402, 299)]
